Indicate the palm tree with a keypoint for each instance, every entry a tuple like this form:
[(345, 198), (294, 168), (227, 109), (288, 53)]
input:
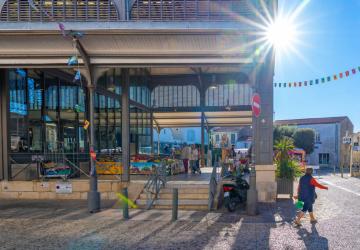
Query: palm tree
[(286, 167), (282, 147)]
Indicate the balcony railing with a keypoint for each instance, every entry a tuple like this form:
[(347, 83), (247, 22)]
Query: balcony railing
[(127, 10)]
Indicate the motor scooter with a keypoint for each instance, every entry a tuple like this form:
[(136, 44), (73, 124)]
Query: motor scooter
[(235, 193)]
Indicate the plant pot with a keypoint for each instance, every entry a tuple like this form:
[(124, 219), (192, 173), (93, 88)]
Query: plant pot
[(285, 186)]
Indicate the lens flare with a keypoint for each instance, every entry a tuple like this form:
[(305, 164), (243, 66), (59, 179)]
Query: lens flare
[(281, 33)]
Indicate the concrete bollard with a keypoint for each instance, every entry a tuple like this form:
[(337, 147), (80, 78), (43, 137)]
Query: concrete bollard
[(252, 195), (126, 205), (175, 205)]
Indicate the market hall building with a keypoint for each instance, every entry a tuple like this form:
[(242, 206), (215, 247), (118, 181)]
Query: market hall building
[(85, 82)]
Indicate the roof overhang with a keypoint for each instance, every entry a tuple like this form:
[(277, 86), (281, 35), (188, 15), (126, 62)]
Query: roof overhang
[(193, 119), (127, 44)]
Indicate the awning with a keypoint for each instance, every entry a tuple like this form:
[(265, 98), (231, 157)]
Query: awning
[(193, 119)]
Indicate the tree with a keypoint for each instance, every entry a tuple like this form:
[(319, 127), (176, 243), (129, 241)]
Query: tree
[(304, 138), (283, 131)]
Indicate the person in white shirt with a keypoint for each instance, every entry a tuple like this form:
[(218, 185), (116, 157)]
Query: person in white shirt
[(194, 159), (185, 156)]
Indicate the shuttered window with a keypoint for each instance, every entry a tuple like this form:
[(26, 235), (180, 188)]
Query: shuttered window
[(58, 10), (189, 10)]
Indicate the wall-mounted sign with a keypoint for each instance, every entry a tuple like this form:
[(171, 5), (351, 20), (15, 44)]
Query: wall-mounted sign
[(63, 188), (255, 105)]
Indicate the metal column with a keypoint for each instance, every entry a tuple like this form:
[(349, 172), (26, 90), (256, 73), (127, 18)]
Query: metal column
[(125, 125), (202, 105), (4, 120), (202, 139), (93, 194), (152, 133)]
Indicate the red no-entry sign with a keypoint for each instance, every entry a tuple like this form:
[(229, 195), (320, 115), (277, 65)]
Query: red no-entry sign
[(255, 104)]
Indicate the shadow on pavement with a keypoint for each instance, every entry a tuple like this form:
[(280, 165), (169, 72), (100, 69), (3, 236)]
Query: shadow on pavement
[(313, 240)]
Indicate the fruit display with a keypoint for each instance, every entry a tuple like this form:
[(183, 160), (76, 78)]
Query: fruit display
[(109, 165), (143, 164)]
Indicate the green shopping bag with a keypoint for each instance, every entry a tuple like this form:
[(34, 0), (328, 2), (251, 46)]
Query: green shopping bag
[(299, 204)]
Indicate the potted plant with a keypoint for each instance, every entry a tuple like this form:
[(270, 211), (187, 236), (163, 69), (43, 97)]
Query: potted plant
[(287, 168)]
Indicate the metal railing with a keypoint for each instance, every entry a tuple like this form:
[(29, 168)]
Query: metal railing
[(214, 180), (156, 181), (35, 165)]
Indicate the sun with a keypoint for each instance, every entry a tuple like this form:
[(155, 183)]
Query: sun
[(281, 33)]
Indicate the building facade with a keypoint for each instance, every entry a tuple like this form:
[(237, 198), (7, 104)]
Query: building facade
[(329, 149), (82, 80)]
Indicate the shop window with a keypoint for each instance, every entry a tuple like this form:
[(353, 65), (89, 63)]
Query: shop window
[(324, 159), (18, 111), (35, 94), (217, 138)]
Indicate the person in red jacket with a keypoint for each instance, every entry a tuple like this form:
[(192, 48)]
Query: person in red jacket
[(306, 194)]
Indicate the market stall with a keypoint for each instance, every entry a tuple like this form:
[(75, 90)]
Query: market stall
[(143, 164)]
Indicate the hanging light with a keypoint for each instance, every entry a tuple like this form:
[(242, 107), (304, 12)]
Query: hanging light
[(213, 82)]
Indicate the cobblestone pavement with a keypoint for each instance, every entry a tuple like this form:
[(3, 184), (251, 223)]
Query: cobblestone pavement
[(67, 225)]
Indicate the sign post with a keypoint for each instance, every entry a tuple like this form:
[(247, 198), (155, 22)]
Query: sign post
[(347, 140)]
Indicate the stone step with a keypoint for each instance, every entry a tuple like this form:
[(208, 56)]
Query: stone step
[(180, 207), (185, 185), (181, 196), (203, 202), (185, 190), (184, 207)]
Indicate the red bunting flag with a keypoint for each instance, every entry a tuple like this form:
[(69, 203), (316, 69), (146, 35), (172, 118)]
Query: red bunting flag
[(347, 73), (335, 77), (341, 75)]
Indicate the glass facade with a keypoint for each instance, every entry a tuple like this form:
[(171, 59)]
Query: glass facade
[(140, 115), (48, 110), (46, 116)]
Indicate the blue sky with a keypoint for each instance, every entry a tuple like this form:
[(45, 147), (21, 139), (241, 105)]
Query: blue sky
[(328, 42)]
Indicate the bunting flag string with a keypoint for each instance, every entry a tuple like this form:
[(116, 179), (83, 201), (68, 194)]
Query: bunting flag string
[(308, 83)]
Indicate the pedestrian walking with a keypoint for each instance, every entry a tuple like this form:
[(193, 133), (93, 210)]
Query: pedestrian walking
[(194, 159), (306, 194), (185, 156)]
